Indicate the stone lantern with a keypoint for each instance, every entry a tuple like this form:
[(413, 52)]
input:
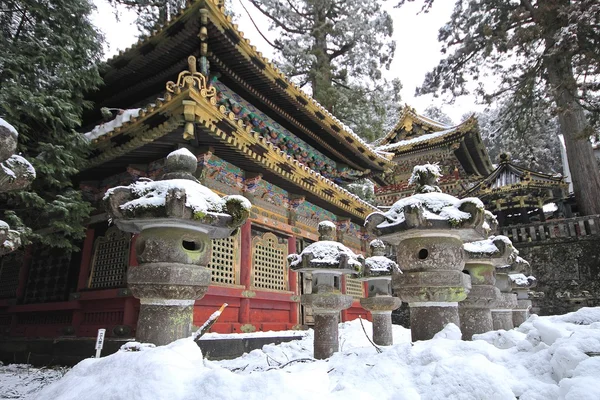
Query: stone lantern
[(502, 314), (15, 173), (327, 260), (521, 285), (428, 230), (481, 260), (176, 218), (378, 275)]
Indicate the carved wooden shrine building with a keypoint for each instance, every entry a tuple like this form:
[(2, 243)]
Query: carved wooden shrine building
[(198, 83), (416, 140)]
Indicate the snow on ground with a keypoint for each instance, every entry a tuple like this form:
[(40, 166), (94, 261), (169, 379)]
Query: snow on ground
[(546, 358)]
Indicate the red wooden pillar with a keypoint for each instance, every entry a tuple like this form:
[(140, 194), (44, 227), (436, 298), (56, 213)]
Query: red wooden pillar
[(293, 284), (245, 270), (86, 259), (132, 254)]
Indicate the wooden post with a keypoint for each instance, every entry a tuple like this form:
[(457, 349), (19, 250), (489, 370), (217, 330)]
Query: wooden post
[(245, 270), (293, 284), (86, 259)]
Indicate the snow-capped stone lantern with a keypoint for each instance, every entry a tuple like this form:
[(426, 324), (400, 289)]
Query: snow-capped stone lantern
[(521, 284), (378, 275), (15, 173), (176, 218), (502, 314), (481, 260), (428, 230), (327, 260)]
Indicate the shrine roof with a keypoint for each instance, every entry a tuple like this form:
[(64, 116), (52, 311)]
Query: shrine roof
[(146, 134), (138, 73), (414, 133), (509, 178)]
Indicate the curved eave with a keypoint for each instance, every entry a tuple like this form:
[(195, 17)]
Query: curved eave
[(138, 73), (275, 81), (534, 179), (409, 112), (141, 131)]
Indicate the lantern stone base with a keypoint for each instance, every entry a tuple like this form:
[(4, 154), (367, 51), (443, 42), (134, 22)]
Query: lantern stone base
[(475, 311), (521, 313), (381, 308), (167, 292), (427, 319), (502, 315), (326, 309)]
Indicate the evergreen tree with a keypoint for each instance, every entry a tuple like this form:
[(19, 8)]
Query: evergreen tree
[(436, 114), (538, 150), (152, 13), (542, 52), (49, 54), (338, 49)]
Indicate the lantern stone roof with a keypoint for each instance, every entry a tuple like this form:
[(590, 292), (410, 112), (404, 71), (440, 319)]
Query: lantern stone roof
[(415, 133), (510, 182)]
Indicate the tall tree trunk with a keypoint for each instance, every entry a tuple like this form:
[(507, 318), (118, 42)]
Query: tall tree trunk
[(576, 131), (320, 77)]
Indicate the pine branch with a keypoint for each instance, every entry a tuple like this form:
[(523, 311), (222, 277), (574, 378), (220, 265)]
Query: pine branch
[(278, 22)]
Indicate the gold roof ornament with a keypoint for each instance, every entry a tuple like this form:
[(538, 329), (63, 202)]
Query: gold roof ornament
[(191, 79)]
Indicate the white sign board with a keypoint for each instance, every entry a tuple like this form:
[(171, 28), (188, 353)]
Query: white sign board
[(100, 341)]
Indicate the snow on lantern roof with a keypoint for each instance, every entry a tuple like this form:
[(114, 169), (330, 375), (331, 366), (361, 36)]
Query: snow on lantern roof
[(380, 265), (498, 250), (152, 194), (327, 253), (430, 209), (522, 281), (178, 198), (11, 129)]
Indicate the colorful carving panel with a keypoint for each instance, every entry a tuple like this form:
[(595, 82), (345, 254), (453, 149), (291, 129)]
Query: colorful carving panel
[(281, 137)]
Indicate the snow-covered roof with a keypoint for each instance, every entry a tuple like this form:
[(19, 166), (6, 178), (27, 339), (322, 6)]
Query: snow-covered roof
[(418, 139), (122, 117)]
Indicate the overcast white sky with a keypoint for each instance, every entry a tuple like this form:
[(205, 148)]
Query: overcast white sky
[(417, 49)]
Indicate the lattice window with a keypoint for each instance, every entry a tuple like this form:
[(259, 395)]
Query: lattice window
[(48, 276), (10, 265), (354, 287), (269, 264), (225, 261), (111, 259)]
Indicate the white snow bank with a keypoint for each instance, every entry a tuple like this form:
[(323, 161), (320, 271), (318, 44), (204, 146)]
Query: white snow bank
[(501, 365), (165, 372)]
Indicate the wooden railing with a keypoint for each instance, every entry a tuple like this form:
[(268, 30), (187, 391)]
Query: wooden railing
[(553, 229)]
